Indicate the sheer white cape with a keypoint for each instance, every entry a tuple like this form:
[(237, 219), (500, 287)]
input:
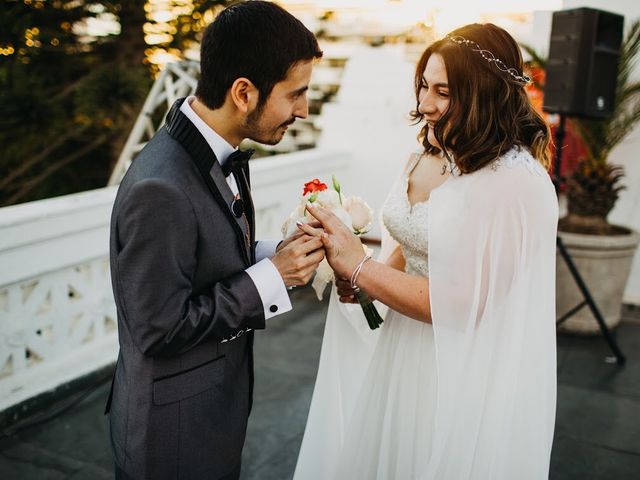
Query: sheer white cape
[(492, 293)]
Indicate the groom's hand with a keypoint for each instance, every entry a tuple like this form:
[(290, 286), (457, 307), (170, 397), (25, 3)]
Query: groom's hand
[(295, 236), (297, 258)]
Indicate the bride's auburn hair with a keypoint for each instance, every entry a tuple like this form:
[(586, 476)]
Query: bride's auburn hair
[(489, 111)]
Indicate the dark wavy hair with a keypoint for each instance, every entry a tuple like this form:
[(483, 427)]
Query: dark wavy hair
[(489, 111), (254, 39)]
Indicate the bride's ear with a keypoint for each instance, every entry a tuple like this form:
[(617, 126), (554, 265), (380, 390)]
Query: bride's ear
[(244, 95)]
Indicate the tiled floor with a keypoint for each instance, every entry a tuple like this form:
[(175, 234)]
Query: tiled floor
[(597, 431)]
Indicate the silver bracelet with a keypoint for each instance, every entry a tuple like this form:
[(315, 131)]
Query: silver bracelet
[(356, 272)]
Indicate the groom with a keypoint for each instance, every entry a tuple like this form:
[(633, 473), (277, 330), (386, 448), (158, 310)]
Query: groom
[(190, 282)]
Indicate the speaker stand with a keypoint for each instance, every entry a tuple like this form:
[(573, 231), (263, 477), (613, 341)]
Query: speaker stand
[(568, 260)]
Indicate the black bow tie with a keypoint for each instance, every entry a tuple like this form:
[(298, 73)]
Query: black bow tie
[(237, 161)]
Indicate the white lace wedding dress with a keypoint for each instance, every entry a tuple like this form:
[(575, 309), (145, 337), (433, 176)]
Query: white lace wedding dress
[(473, 395), (399, 389), (389, 435)]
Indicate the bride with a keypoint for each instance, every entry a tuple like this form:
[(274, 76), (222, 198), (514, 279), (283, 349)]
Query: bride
[(460, 380)]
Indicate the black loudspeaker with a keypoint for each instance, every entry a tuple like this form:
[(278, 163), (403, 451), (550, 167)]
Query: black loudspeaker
[(582, 68)]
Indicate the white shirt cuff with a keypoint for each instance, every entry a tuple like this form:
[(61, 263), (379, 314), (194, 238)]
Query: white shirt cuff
[(271, 288), (266, 249)]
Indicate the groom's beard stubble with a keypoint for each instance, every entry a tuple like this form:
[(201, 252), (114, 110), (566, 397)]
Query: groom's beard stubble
[(259, 130)]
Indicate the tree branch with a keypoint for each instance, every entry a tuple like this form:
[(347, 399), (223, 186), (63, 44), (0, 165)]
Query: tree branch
[(39, 157), (37, 180)]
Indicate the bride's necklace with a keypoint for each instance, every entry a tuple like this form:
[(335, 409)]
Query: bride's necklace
[(447, 164)]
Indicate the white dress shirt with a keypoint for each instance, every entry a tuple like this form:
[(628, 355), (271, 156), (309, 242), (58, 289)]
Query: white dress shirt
[(265, 276)]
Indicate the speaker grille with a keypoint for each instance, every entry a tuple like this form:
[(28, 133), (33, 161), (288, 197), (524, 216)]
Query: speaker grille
[(582, 69)]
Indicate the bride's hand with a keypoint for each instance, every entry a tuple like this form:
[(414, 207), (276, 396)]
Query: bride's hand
[(345, 292), (343, 248), (293, 237)]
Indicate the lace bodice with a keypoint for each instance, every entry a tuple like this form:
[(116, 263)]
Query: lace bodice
[(408, 225)]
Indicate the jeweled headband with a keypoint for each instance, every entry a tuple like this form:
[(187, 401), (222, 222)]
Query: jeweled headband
[(520, 78)]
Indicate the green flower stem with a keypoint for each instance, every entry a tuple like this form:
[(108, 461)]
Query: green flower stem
[(369, 309), (336, 187)]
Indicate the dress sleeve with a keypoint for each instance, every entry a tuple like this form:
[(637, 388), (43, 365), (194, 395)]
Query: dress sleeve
[(492, 293)]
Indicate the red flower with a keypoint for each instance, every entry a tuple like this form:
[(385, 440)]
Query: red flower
[(313, 186)]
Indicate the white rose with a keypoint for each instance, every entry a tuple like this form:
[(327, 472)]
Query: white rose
[(343, 215), (286, 226), (289, 226), (328, 199), (305, 199), (361, 214)]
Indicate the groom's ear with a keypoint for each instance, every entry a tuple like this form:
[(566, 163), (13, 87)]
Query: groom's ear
[(244, 94)]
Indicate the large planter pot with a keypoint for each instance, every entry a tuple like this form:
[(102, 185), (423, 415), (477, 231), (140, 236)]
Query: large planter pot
[(604, 263)]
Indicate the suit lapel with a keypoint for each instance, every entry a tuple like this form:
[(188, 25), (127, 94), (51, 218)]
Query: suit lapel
[(183, 131)]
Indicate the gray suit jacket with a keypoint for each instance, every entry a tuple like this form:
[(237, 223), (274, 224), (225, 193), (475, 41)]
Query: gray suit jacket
[(181, 393)]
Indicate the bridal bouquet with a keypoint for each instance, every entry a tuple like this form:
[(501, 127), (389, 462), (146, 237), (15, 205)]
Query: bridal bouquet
[(352, 211)]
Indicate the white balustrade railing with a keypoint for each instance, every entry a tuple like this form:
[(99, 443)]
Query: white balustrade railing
[(57, 315)]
